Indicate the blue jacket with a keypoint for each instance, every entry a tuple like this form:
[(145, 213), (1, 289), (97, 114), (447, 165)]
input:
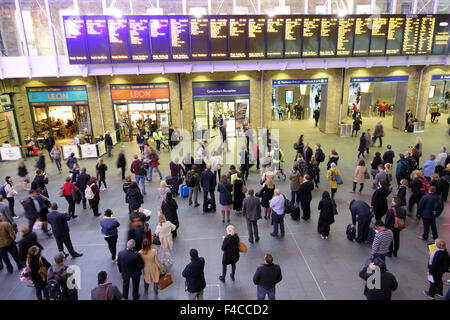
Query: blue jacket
[(109, 226), (133, 196), (208, 180), (195, 278), (140, 139), (426, 206), (225, 189), (361, 209), (428, 168), (58, 221), (71, 161), (129, 263)]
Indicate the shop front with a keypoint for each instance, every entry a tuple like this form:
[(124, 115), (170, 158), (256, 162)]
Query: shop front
[(378, 98), (134, 105), (8, 115), (61, 111), (229, 100), (438, 97)]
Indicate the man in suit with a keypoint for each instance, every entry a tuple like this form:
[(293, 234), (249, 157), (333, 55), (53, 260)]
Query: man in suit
[(8, 245), (305, 197), (307, 153), (251, 209), (82, 181), (130, 267), (426, 210), (208, 183), (58, 221), (360, 212)]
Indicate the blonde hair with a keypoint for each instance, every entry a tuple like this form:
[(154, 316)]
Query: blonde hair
[(20, 163), (163, 184), (269, 179), (388, 168), (417, 173), (100, 160), (161, 219), (230, 230), (435, 177), (440, 244)]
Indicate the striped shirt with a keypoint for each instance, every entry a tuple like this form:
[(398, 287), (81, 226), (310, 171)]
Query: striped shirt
[(382, 241)]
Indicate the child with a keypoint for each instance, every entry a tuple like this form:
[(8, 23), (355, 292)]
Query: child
[(401, 192)]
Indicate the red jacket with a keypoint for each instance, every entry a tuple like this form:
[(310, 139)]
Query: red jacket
[(383, 107), (68, 186), (135, 166)]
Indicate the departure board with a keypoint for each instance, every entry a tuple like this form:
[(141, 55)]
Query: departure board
[(199, 38), (256, 38), (378, 36), (293, 38), (411, 35), (218, 28), (97, 39), (311, 28), (426, 35), (237, 35), (328, 37), (118, 39), (394, 37), (274, 37), (159, 39), (75, 29), (362, 37), (179, 38), (346, 27), (441, 35), (139, 38)]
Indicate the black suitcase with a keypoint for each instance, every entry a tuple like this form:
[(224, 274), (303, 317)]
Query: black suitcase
[(295, 214), (209, 205), (351, 232), (410, 128), (371, 237)]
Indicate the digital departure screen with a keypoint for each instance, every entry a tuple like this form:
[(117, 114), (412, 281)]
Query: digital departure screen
[(199, 38), (346, 27), (237, 34), (179, 38), (218, 37), (311, 35), (256, 38), (139, 40), (378, 36), (425, 45), (274, 37), (395, 35), (411, 35), (293, 38), (75, 29), (441, 35), (118, 39), (362, 37), (97, 39), (159, 39), (328, 36)]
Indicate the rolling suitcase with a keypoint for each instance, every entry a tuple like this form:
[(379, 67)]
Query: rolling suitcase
[(295, 214), (209, 205), (184, 191), (351, 232)]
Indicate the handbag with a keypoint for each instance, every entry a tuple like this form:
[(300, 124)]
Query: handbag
[(242, 247), (156, 240), (37, 225), (339, 179), (399, 223), (366, 175), (25, 275), (244, 188), (42, 270), (165, 280)]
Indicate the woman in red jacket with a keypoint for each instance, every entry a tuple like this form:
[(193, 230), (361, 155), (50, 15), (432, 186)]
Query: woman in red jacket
[(68, 187), (93, 202)]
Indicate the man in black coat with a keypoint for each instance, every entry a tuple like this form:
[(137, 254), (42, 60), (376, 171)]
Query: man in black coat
[(307, 153), (438, 264), (61, 231), (28, 240), (389, 155), (360, 212), (383, 289), (195, 277), (379, 200), (305, 197), (81, 184), (428, 210), (316, 115), (399, 212), (266, 277), (208, 183), (130, 266), (108, 143), (122, 162), (251, 210)]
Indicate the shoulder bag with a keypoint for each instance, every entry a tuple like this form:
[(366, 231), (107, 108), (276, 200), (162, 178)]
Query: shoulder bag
[(399, 223), (165, 280), (242, 247)]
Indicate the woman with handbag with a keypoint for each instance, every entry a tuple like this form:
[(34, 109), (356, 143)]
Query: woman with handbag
[(164, 233), (93, 203), (69, 188), (152, 266), (230, 248), (38, 271), (361, 175), (169, 209), (326, 216), (239, 190), (225, 190)]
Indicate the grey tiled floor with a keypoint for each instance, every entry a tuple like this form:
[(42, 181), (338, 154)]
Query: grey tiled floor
[(312, 268)]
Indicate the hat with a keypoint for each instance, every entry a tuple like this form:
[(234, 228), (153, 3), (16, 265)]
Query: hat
[(333, 165), (101, 277)]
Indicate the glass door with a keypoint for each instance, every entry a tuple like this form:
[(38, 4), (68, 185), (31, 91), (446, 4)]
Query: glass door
[(123, 121), (83, 119)]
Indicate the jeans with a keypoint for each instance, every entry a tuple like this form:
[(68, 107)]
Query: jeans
[(67, 242), (195, 295), (151, 173), (427, 223), (58, 164), (11, 205), (382, 257), (252, 226), (193, 190), (126, 286), (278, 219), (109, 147), (40, 291), (123, 172), (138, 178), (293, 194), (395, 244), (361, 153), (158, 145), (112, 243), (262, 293), (374, 139), (12, 250)]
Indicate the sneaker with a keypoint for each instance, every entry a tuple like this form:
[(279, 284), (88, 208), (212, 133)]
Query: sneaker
[(428, 295), (322, 236)]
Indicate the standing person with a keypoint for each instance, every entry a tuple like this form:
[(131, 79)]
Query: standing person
[(383, 108), (408, 116), (95, 200), (68, 188), (245, 162), (360, 175), (294, 178), (169, 209), (152, 266), (63, 275), (55, 155), (164, 232), (141, 142), (8, 245), (195, 276), (416, 186), (81, 184), (40, 162), (74, 173), (109, 225), (188, 161), (101, 168), (251, 210), (137, 230), (319, 155), (223, 133), (305, 197), (266, 277), (360, 212), (266, 194), (378, 133), (176, 172), (369, 142), (299, 145), (440, 161), (9, 193), (388, 282), (193, 183), (157, 137), (332, 177), (28, 240), (379, 200), (38, 271), (428, 210), (71, 160), (401, 192), (403, 170), (389, 155), (163, 191), (230, 252), (208, 184), (356, 126), (139, 171), (108, 143), (438, 264), (316, 115), (225, 190), (130, 267), (216, 164), (105, 290), (376, 161), (362, 145), (22, 172), (49, 142), (382, 241), (396, 212), (429, 167), (326, 216), (61, 231), (307, 153), (277, 206), (333, 158), (239, 190), (133, 196), (122, 162)]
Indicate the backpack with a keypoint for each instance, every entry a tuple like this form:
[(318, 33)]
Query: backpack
[(142, 169), (88, 193), (288, 206), (320, 157), (190, 180), (3, 191), (55, 286), (438, 207), (425, 185), (333, 175), (351, 232)]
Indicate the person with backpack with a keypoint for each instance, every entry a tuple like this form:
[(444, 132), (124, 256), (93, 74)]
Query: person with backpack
[(58, 279), (403, 169), (395, 221), (101, 168), (193, 183), (68, 189), (7, 192), (92, 194), (334, 179), (430, 207), (81, 184), (109, 225), (438, 264), (388, 282), (138, 168), (105, 290), (38, 271)]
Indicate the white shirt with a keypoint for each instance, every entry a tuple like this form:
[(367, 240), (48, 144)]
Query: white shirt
[(216, 162), (440, 159)]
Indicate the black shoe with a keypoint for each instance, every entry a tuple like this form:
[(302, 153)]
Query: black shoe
[(66, 255), (273, 234), (76, 255), (10, 271), (196, 205), (394, 254), (50, 235), (190, 203), (427, 294), (257, 239), (74, 216), (232, 276), (222, 279), (251, 241)]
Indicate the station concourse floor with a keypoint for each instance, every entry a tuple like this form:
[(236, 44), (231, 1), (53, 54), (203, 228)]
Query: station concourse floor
[(313, 268)]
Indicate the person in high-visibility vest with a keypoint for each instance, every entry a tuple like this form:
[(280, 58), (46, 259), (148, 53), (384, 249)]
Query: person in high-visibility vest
[(277, 156), (158, 136)]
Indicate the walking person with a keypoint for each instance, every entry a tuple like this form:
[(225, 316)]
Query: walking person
[(208, 184), (169, 209), (239, 190), (164, 232), (101, 168), (382, 241), (61, 231), (133, 196), (356, 126), (378, 133), (105, 290), (438, 264), (428, 210), (277, 206), (40, 162), (266, 277), (389, 155), (225, 190), (55, 155), (122, 162), (230, 252), (22, 172), (193, 183), (109, 225), (130, 265), (140, 140), (153, 164), (305, 197), (68, 188), (376, 161), (360, 212), (39, 183), (74, 173), (81, 184), (195, 276), (369, 142), (8, 245), (49, 143), (251, 210), (362, 145), (334, 179), (38, 271), (36, 209), (139, 171), (393, 214), (360, 176), (163, 191), (28, 240), (152, 267), (70, 161), (216, 164), (95, 195), (326, 215), (108, 143), (9, 193), (388, 282)]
